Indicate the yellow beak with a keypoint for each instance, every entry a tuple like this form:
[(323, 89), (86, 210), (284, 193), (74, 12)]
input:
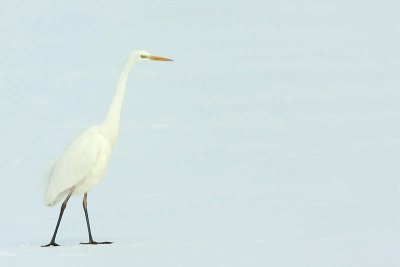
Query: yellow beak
[(159, 58)]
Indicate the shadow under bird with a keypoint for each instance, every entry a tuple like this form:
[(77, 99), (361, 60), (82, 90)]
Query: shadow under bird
[(84, 161)]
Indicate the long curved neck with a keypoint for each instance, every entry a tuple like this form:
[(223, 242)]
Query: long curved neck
[(110, 125)]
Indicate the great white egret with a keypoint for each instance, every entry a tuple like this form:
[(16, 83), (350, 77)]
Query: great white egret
[(84, 161)]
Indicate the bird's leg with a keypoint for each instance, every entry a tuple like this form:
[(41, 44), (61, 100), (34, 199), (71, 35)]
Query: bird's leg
[(91, 241), (63, 206)]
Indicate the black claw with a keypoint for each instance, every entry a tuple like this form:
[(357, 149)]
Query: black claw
[(96, 243), (51, 244)]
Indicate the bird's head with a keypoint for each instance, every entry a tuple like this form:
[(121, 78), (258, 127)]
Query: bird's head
[(144, 56)]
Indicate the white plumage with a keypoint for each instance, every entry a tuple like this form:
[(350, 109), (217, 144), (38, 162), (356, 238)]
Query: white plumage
[(82, 164), (85, 160)]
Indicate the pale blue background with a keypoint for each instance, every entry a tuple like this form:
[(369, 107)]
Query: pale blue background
[(272, 140)]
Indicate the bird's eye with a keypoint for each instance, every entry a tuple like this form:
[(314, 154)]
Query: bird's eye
[(142, 56)]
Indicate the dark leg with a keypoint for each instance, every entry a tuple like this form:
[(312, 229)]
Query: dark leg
[(63, 206), (91, 242)]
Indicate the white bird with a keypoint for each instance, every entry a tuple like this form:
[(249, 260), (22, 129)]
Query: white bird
[(84, 161)]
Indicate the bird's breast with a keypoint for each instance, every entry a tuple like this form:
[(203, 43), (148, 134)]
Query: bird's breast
[(97, 172)]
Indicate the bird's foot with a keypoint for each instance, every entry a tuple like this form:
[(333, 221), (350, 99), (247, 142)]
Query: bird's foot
[(95, 243), (51, 244)]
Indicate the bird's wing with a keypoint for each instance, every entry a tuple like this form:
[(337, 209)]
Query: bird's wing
[(75, 164)]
